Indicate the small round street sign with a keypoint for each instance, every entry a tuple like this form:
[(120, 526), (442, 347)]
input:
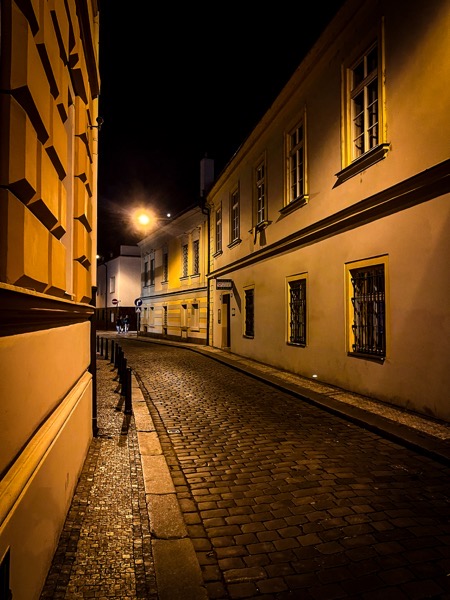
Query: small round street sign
[(115, 301), (138, 302)]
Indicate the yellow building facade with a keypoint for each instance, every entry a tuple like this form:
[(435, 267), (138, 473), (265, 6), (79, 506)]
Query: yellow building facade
[(48, 195), (329, 236), (174, 263)]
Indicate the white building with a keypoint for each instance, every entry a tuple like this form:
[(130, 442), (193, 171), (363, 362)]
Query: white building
[(329, 227), (118, 287)]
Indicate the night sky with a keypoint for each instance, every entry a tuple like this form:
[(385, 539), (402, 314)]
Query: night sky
[(181, 82)]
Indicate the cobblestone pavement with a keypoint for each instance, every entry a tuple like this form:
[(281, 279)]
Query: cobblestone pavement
[(280, 498), (104, 550), (285, 500)]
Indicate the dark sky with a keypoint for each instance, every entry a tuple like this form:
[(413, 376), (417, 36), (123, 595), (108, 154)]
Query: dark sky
[(181, 81)]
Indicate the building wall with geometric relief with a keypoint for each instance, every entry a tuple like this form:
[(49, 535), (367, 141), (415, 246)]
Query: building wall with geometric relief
[(49, 88)]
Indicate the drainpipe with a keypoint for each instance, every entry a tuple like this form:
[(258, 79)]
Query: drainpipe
[(207, 212), (93, 363)]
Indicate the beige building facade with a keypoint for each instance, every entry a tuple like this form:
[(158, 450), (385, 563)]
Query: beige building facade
[(174, 263), (329, 245), (48, 172)]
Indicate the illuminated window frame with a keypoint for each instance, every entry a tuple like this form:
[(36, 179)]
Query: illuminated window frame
[(364, 133), (367, 308), (297, 318), (296, 194)]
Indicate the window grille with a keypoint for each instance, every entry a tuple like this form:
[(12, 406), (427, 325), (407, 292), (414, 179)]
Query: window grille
[(250, 313), (196, 251), (369, 330), (364, 97), (296, 164), (185, 264), (297, 312)]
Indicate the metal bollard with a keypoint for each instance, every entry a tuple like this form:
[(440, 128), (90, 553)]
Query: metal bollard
[(112, 351), (106, 348), (123, 376), (128, 409), (98, 343), (101, 346)]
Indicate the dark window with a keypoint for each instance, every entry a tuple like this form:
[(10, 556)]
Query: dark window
[(297, 312), (369, 321), (250, 312)]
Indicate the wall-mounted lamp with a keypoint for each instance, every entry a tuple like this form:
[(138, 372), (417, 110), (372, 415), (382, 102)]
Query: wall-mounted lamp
[(100, 121)]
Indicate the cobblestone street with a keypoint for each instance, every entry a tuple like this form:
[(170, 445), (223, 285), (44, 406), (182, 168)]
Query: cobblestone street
[(279, 498)]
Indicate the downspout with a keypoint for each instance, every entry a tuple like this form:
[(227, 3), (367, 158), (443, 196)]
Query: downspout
[(207, 212), (93, 362)]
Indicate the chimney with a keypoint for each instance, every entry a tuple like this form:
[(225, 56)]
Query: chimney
[(206, 175)]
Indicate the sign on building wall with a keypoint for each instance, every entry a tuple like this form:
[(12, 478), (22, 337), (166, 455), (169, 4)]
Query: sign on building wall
[(224, 284)]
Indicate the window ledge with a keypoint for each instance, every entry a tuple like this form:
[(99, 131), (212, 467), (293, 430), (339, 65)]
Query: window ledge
[(294, 205), (234, 243), (362, 163), (259, 226), (372, 357), (218, 253)]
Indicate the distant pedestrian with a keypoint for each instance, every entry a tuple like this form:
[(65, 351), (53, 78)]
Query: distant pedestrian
[(119, 325), (126, 323)]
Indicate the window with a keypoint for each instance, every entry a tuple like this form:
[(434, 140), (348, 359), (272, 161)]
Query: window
[(146, 276), (234, 216), (249, 330), (196, 258), (366, 284), (297, 311), (296, 162), (112, 285), (152, 271), (184, 260), (260, 180), (364, 103), (165, 265), (364, 141), (219, 230)]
